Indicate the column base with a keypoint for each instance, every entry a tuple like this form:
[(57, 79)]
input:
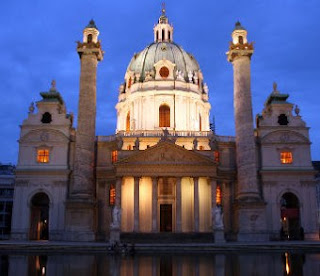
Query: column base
[(80, 220), (251, 221), (219, 236)]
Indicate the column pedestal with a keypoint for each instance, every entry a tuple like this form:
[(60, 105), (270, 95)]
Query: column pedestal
[(251, 224), (80, 220), (219, 236)]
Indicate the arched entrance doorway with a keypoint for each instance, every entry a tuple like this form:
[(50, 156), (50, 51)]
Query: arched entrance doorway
[(39, 219), (290, 217)]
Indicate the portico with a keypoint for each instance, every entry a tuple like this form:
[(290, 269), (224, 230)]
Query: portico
[(166, 189)]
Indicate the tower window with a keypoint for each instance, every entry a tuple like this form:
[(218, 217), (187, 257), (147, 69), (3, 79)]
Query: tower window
[(157, 35), (128, 122), (286, 157), (46, 118), (162, 35), (283, 120), (164, 116), (164, 72), (43, 156), (89, 38), (240, 39), (112, 195), (114, 156), (169, 35)]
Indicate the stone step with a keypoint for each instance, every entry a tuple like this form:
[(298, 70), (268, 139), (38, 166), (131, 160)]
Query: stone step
[(167, 237)]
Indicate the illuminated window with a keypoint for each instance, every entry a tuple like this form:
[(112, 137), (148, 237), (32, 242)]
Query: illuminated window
[(129, 147), (286, 157), (112, 195), (200, 147), (216, 155), (114, 156), (43, 156), (240, 40), (128, 122), (200, 123), (164, 72), (164, 116), (218, 195)]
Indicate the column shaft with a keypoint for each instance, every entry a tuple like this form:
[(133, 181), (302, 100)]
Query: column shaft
[(196, 203), (136, 204), (213, 184), (154, 204), (178, 206), (118, 192)]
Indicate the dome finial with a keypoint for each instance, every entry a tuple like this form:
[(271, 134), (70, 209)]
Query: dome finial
[(163, 9)]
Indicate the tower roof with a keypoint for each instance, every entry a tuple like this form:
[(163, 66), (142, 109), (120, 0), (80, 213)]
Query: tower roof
[(92, 24), (52, 95), (238, 26), (276, 96)]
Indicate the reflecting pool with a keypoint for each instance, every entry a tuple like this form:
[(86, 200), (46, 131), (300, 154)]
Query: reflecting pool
[(274, 264)]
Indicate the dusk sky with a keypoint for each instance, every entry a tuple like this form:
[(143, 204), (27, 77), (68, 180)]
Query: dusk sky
[(38, 45)]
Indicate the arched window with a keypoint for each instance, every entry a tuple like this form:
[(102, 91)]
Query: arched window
[(162, 35), (200, 123), (164, 116), (89, 38), (129, 82), (128, 122), (169, 35), (283, 120), (157, 35), (240, 39)]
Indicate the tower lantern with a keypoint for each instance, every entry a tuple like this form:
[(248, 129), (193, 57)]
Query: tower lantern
[(239, 34), (90, 33), (163, 31)]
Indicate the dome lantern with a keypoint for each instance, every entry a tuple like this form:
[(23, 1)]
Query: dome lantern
[(163, 31)]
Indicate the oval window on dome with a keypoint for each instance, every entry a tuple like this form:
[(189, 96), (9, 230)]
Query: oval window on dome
[(164, 72)]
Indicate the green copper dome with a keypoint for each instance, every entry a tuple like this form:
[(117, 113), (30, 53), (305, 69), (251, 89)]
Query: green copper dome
[(144, 61)]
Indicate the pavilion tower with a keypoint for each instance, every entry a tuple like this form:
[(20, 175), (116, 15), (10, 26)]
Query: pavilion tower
[(81, 204), (249, 204)]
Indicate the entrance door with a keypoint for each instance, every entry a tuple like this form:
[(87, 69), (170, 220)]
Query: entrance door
[(165, 217), (291, 228), (39, 217)]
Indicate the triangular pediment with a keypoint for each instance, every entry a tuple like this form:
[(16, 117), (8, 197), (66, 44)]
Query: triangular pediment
[(166, 153)]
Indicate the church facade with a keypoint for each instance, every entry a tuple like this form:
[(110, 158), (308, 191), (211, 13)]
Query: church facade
[(164, 170)]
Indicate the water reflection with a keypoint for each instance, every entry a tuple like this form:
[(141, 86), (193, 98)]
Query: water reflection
[(287, 264)]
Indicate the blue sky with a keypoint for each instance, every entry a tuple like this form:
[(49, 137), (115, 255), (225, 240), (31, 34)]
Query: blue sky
[(38, 45)]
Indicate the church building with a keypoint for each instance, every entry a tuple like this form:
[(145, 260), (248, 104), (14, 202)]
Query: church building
[(164, 173)]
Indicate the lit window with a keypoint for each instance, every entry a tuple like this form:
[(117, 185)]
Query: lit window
[(216, 156), (200, 123), (200, 147), (43, 156), (112, 195), (164, 116), (129, 147), (218, 195), (286, 157), (114, 156)]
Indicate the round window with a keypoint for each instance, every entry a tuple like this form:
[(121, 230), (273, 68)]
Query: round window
[(164, 72)]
